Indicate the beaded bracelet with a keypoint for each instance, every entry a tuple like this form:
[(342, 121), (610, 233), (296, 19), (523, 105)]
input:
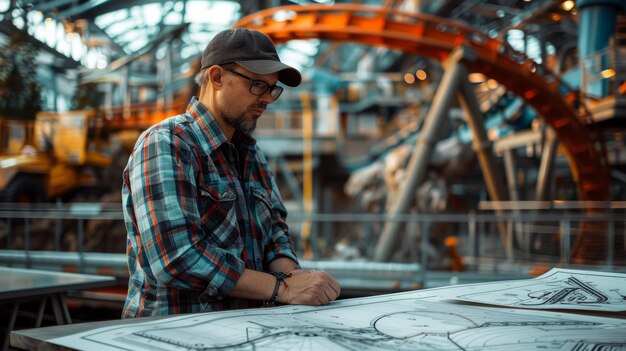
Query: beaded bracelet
[(280, 277)]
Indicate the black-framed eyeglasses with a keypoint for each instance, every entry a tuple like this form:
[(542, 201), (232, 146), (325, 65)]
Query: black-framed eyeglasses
[(259, 87)]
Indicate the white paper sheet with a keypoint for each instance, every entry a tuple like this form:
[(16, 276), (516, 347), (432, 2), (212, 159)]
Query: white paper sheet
[(556, 289), (403, 321)]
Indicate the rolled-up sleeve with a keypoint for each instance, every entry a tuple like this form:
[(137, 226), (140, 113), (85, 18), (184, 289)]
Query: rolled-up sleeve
[(162, 172)]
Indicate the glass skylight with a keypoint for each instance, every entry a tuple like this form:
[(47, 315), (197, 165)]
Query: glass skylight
[(4, 5), (134, 27), (527, 44)]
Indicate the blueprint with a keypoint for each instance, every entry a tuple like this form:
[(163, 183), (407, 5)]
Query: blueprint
[(556, 289), (430, 319)]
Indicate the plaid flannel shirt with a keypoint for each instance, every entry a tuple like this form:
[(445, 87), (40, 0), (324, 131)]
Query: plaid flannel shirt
[(198, 210)]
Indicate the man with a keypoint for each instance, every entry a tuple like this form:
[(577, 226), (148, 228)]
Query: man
[(205, 221)]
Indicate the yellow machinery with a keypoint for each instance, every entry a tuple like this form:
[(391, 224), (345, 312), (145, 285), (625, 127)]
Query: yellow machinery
[(51, 156)]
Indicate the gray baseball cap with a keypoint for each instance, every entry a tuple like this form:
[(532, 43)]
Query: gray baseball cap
[(251, 50)]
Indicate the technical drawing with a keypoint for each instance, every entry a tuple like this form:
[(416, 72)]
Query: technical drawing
[(388, 322), (557, 289)]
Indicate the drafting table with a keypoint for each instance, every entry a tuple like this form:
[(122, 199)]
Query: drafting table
[(562, 309), (42, 287), (37, 339)]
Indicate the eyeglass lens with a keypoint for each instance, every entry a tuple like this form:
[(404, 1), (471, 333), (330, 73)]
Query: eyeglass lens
[(259, 87)]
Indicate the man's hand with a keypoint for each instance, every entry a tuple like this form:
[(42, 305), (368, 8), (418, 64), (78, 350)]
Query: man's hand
[(304, 287)]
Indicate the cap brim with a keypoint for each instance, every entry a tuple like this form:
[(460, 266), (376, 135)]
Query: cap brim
[(286, 74)]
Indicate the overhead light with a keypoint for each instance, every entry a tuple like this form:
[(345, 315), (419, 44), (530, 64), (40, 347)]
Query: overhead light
[(492, 84), (409, 78), (607, 73), (476, 77), (421, 74), (567, 5)]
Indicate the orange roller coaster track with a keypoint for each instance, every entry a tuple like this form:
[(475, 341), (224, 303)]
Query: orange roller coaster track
[(436, 37)]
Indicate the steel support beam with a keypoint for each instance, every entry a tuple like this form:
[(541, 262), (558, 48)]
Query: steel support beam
[(510, 169), (482, 146), (125, 91), (480, 142), (78, 9), (418, 164), (548, 154), (49, 5)]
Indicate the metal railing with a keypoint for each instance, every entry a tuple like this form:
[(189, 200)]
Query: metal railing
[(539, 237)]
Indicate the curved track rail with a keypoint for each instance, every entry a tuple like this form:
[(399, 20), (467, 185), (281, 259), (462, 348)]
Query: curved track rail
[(436, 37)]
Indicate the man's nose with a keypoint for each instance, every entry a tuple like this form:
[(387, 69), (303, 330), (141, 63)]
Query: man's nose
[(266, 98)]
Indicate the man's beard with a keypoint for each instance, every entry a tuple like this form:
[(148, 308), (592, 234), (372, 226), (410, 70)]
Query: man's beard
[(242, 124)]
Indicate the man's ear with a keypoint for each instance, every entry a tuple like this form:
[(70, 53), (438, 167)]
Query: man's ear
[(215, 76)]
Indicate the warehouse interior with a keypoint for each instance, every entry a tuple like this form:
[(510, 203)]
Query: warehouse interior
[(430, 143)]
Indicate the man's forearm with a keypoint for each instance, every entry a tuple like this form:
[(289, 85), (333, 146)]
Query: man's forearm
[(254, 285), (283, 264)]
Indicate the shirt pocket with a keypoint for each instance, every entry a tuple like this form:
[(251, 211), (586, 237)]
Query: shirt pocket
[(263, 209), (218, 214)]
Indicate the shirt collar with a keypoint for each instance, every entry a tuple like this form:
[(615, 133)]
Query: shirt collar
[(209, 128)]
